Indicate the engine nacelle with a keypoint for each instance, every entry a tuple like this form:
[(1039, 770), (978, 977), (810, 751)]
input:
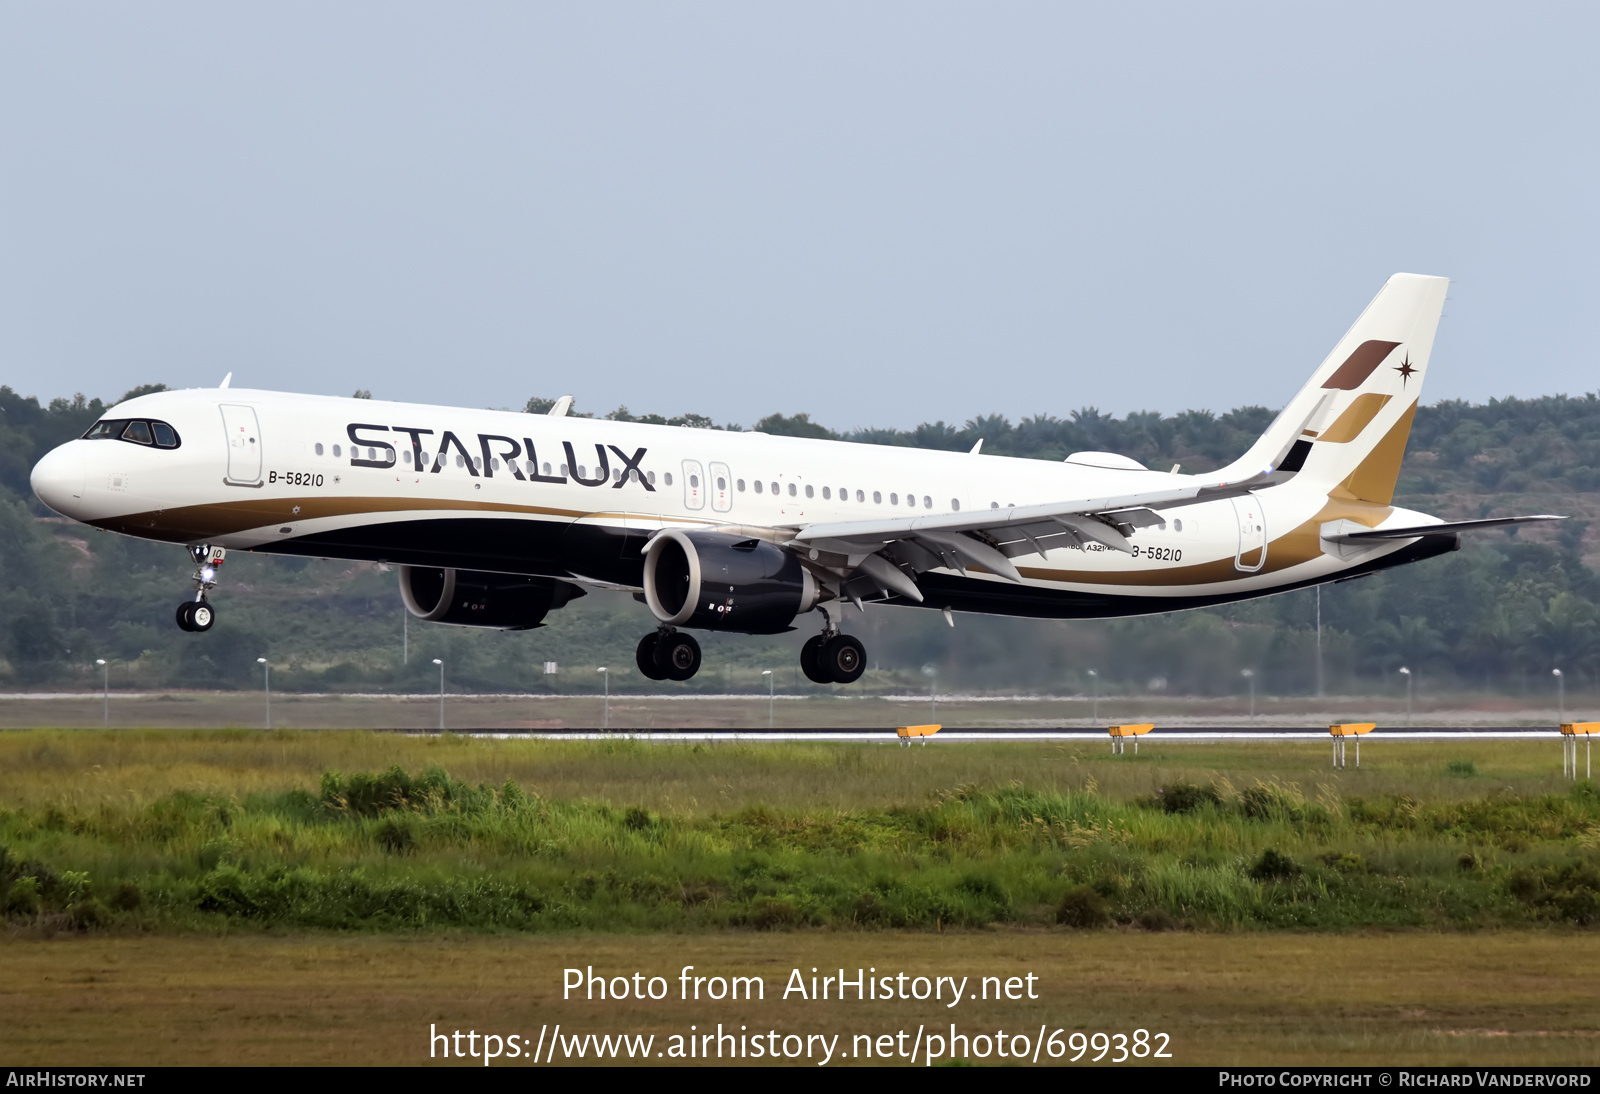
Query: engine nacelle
[(470, 598), (723, 582)]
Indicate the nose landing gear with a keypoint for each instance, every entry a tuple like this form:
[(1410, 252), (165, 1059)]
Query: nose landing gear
[(198, 614)]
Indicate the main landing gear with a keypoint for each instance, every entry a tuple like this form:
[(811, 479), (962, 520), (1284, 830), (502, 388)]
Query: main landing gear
[(667, 654), (198, 614), (832, 657)]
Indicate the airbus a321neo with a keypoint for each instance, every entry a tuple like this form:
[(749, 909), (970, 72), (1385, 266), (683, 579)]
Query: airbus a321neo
[(497, 518)]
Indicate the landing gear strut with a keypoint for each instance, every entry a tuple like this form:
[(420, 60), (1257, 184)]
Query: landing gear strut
[(667, 654), (832, 657), (198, 614)]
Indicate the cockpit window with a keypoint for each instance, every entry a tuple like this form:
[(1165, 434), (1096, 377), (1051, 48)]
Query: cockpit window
[(135, 431), (106, 429)]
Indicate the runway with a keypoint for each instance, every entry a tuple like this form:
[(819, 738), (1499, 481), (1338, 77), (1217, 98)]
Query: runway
[(883, 734)]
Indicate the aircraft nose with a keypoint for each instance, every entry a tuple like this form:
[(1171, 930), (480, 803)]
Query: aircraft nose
[(58, 478)]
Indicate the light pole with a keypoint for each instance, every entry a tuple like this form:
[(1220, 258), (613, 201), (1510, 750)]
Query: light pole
[(931, 671), (440, 663), (266, 686), (1319, 641), (606, 676), (1095, 678), (1561, 695), (1250, 678), (1407, 674), (771, 694), (105, 692)]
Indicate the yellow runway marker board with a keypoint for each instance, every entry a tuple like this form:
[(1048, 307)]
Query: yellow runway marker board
[(905, 733), (1343, 732), (1570, 732), (1119, 735)]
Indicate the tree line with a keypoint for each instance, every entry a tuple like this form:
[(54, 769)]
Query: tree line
[(1505, 610)]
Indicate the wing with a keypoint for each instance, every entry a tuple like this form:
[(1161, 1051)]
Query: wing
[(1446, 528), (989, 538)]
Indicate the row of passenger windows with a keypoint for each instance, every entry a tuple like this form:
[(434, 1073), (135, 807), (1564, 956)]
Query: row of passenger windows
[(794, 489)]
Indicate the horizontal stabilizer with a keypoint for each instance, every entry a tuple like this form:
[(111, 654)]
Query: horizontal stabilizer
[(1446, 529)]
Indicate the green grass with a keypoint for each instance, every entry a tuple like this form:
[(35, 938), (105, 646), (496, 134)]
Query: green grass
[(197, 831)]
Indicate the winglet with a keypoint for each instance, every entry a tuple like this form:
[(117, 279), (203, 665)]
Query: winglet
[(226, 380), (561, 407)]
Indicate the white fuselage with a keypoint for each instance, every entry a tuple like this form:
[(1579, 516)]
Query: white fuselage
[(576, 498)]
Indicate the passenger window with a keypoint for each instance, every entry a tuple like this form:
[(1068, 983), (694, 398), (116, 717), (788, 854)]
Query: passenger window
[(616, 474), (809, 492), (694, 480), (405, 454), (583, 471), (955, 504), (740, 485), (372, 454), (722, 483), (666, 477), (774, 488), (1177, 526), (319, 448), (563, 470), (861, 495), (547, 469), (826, 493), (650, 477), (494, 463), (894, 499), (138, 433), (791, 490), (166, 436), (994, 505), (335, 450), (758, 486), (877, 497), (927, 502)]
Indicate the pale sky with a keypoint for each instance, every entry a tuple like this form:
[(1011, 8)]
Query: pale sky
[(880, 213)]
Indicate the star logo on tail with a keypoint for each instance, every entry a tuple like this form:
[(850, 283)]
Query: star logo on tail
[(1405, 370)]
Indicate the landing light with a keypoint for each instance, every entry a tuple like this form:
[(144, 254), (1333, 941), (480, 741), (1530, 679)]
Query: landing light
[(209, 573)]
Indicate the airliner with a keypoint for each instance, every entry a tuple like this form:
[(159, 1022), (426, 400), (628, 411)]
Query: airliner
[(495, 518)]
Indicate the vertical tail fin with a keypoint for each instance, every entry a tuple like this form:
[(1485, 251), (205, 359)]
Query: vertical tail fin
[(1347, 428)]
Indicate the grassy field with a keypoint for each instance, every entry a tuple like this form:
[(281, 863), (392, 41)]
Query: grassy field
[(141, 830), (235, 896)]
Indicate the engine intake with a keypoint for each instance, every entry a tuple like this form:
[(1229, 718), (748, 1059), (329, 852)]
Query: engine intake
[(471, 598), (721, 582)]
